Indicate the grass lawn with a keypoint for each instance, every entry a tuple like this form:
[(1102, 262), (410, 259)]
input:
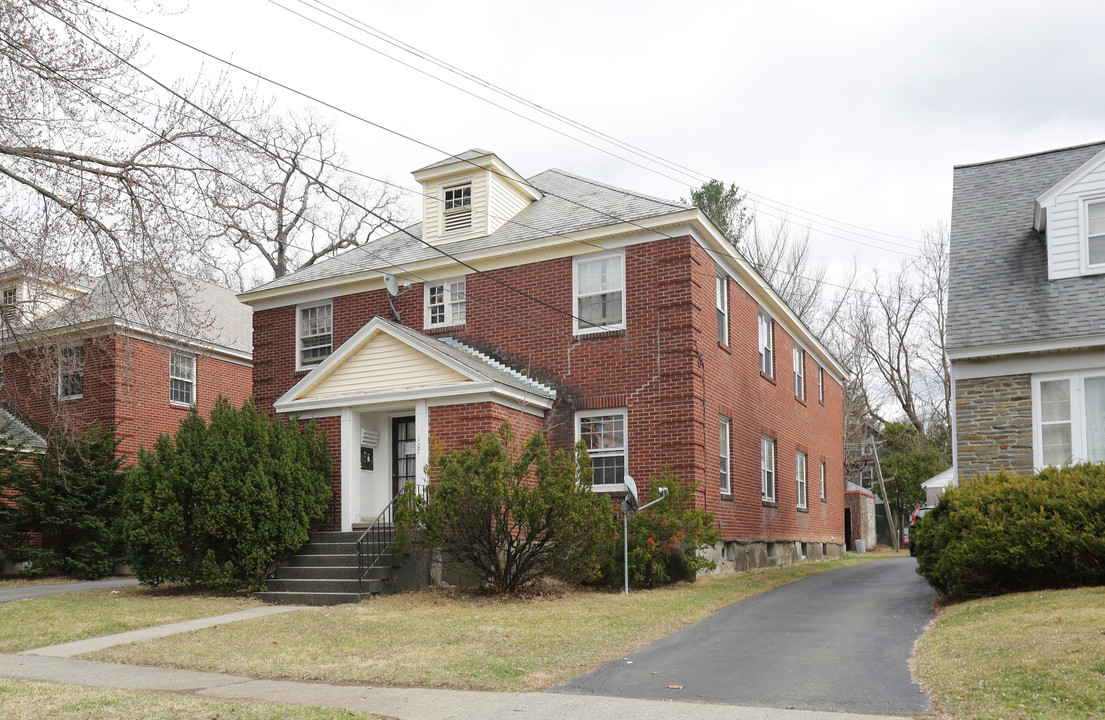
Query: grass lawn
[(34, 700), (442, 639), (1029, 655), (37, 622)]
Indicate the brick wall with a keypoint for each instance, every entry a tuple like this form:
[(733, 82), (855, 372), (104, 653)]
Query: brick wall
[(126, 382), (667, 370), (993, 425)]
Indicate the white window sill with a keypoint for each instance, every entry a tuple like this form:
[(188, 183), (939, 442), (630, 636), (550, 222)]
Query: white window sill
[(612, 488), (71, 397)]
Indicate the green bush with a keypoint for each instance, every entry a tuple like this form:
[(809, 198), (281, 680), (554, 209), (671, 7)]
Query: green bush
[(65, 511), (510, 513), (220, 504), (664, 540), (1011, 534)]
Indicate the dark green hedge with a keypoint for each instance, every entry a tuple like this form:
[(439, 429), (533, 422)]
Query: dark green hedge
[(218, 505), (1011, 534)]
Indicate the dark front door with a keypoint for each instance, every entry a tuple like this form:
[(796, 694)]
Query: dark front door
[(404, 445)]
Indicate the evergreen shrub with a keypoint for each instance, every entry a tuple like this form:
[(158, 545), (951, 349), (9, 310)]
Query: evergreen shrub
[(220, 504), (1003, 534)]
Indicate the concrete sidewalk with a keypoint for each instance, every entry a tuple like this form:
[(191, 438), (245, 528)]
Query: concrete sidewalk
[(402, 703), (24, 592)]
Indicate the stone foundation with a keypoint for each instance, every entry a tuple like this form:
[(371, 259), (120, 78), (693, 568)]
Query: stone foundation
[(994, 425), (741, 555)]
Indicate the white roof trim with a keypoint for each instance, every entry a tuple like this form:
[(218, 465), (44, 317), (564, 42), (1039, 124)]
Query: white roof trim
[(1033, 346), (944, 479), (1048, 199)]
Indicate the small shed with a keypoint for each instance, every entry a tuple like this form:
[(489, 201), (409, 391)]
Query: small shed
[(859, 516), (936, 485)]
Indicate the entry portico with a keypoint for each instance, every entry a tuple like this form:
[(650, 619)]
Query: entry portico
[(390, 386)]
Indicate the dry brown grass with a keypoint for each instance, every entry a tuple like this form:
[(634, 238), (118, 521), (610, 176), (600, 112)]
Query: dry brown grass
[(458, 640), (1029, 655)]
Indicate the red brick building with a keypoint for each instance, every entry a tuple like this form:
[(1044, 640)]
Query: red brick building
[(581, 310), (120, 350)]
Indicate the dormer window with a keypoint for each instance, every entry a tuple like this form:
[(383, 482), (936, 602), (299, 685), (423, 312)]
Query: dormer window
[(457, 213), (1095, 234)]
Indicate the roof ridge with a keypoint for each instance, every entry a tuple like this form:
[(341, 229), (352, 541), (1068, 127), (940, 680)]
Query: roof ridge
[(1030, 155), (608, 186)]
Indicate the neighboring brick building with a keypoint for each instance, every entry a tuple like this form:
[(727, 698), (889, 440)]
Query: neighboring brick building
[(120, 351), (574, 308), (1026, 311)]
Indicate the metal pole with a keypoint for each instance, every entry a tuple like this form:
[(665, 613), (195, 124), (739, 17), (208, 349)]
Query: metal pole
[(625, 542), (885, 502)]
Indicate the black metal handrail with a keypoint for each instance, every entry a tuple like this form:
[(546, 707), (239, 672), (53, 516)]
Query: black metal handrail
[(382, 530)]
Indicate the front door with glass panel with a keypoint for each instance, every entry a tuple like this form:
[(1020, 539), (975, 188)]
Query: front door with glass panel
[(404, 448)]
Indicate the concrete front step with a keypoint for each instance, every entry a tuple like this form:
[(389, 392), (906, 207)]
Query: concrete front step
[(311, 598), (326, 585), (349, 572)]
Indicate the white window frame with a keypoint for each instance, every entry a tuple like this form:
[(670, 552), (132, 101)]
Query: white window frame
[(824, 472), (768, 468), (722, 300), (799, 373), (464, 210), (79, 370), (454, 292), (1084, 234), (14, 290), (767, 344), (820, 384), (725, 481), (801, 479), (190, 382), (299, 336), (623, 451), (1078, 426), (578, 327)]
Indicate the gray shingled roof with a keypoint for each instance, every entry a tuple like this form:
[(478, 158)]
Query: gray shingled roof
[(181, 306), (570, 204), (16, 434), (999, 291)]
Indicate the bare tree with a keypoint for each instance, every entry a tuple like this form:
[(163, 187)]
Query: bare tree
[(935, 266), (291, 203)]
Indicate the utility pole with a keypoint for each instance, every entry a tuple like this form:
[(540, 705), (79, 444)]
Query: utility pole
[(885, 502)]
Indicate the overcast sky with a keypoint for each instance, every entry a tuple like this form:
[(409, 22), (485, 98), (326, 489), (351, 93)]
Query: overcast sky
[(851, 113)]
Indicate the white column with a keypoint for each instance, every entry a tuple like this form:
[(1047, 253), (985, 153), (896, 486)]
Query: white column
[(422, 434), (350, 466)]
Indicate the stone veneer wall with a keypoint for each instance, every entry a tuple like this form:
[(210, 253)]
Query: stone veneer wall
[(994, 425)]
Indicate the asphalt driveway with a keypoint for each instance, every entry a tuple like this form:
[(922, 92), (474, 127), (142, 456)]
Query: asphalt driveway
[(837, 641), (23, 592)]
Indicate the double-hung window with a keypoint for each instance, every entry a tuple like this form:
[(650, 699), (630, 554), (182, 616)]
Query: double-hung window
[(800, 476), (823, 496), (820, 384), (1069, 418), (314, 334), (603, 432), (767, 345), (71, 372), (182, 379), (445, 303), (456, 207), (599, 293), (799, 373), (1095, 235), (723, 459), (767, 468), (722, 309)]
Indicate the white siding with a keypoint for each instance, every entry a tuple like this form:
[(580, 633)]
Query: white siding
[(431, 207), (505, 203), (381, 363), (1064, 233)]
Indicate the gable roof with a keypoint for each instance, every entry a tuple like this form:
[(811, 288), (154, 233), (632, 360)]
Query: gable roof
[(383, 360), (14, 433), (569, 204), (999, 293), (177, 306)]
